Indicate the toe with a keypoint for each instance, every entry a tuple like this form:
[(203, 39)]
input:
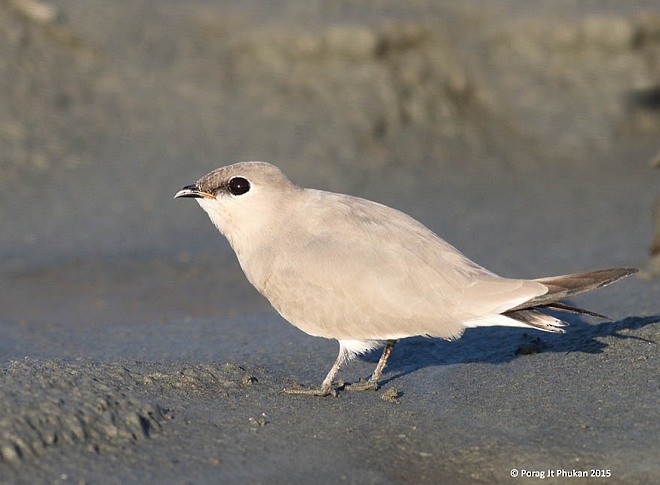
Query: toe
[(321, 391), (362, 386)]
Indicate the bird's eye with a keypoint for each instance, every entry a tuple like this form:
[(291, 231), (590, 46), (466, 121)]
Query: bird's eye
[(238, 185)]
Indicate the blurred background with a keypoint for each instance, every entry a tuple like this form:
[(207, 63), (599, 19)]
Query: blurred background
[(521, 131)]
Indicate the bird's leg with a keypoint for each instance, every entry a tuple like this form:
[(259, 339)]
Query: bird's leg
[(372, 383), (326, 388)]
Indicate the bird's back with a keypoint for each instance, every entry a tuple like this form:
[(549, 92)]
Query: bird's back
[(348, 268)]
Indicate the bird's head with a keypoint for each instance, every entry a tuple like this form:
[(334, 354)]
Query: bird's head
[(243, 199)]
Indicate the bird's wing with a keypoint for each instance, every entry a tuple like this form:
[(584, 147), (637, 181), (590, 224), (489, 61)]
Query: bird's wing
[(361, 270)]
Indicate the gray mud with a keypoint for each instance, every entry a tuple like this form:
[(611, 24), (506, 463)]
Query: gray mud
[(133, 350)]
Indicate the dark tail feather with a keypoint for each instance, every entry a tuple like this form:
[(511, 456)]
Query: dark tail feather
[(560, 287), (534, 317), (562, 307)]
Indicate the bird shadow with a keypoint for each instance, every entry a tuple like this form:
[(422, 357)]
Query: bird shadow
[(498, 345)]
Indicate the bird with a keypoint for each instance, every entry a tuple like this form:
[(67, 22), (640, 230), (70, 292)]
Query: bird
[(365, 274)]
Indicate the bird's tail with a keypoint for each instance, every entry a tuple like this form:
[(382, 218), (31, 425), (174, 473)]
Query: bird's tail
[(559, 287)]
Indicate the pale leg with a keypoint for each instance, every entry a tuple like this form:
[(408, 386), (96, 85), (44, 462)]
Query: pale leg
[(372, 383), (326, 388)]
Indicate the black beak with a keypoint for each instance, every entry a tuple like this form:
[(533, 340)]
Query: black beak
[(191, 191)]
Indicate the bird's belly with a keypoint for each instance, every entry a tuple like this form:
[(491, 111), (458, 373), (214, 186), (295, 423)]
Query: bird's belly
[(323, 313)]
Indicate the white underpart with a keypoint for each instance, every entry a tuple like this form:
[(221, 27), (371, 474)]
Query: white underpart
[(493, 321), (354, 348)]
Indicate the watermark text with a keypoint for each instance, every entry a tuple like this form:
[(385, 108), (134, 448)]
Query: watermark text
[(561, 473)]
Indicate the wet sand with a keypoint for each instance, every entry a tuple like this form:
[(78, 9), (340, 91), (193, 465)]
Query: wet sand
[(133, 349)]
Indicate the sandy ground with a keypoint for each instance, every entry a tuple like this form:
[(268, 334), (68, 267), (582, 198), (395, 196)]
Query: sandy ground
[(133, 350)]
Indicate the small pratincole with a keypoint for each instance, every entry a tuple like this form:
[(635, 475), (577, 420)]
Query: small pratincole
[(346, 268)]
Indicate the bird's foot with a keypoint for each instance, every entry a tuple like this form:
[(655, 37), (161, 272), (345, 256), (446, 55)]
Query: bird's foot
[(318, 391), (362, 385)]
